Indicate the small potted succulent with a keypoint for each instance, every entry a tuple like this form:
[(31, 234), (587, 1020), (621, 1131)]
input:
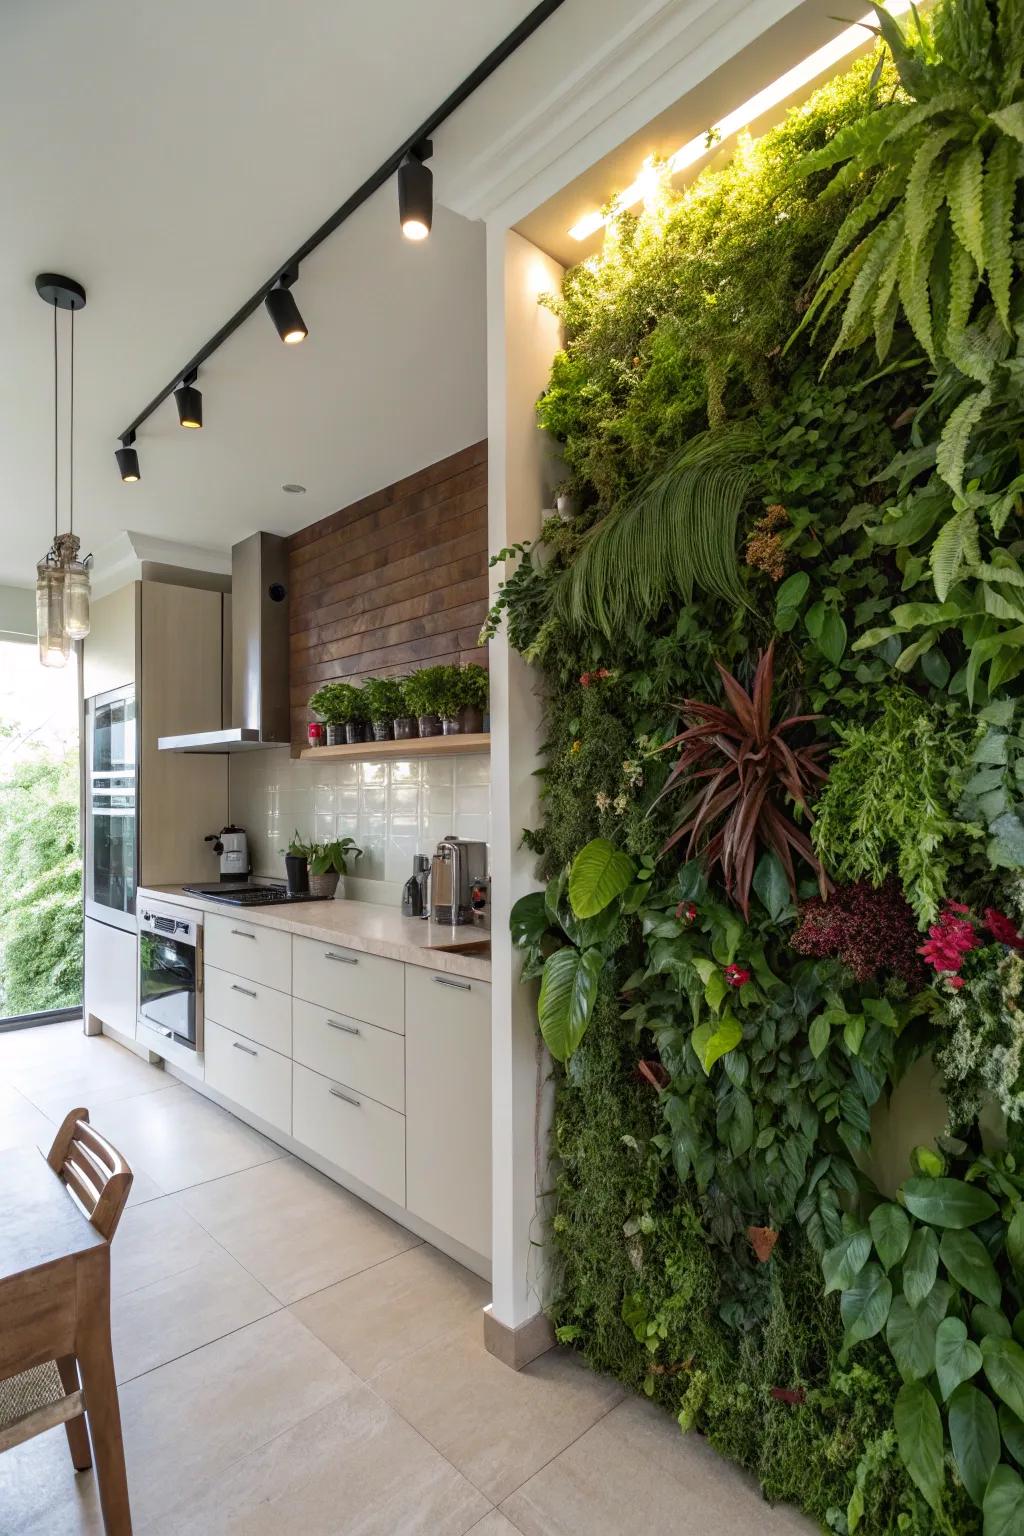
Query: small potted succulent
[(342, 709), (426, 691), (405, 722), (296, 864), (328, 863), (474, 684), (384, 701)]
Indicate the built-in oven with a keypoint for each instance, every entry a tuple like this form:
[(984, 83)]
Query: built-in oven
[(171, 971), (111, 819)]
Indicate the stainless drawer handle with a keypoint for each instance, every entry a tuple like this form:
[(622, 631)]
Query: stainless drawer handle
[(246, 1048), (240, 933), (445, 981), (348, 1029), (346, 1096), (244, 990), (344, 959)]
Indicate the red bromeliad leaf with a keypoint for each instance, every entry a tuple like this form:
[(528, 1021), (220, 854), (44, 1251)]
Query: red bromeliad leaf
[(795, 1396), (654, 1073), (739, 772), (762, 1240)]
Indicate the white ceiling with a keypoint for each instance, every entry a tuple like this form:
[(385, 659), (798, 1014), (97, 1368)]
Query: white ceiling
[(170, 156)]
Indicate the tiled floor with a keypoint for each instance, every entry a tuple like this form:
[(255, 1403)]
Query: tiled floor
[(294, 1364)]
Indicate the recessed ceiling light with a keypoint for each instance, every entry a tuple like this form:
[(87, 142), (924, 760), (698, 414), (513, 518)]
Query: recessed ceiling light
[(293, 489)]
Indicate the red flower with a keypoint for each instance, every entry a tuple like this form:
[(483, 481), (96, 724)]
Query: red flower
[(956, 982), (686, 911), (950, 939), (1003, 928), (736, 976), (585, 679)]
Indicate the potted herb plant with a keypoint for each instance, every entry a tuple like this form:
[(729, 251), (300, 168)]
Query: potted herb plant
[(474, 684), (425, 693), (296, 864), (342, 709), (328, 863), (384, 700), (405, 722)]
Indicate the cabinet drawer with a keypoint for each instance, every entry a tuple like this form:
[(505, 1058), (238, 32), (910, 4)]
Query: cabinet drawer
[(246, 949), (258, 1012), (448, 1104), (351, 1130), (254, 1077), (368, 1059), (360, 986)]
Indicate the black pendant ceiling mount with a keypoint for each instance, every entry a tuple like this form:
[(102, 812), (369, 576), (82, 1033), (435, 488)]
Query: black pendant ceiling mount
[(61, 292)]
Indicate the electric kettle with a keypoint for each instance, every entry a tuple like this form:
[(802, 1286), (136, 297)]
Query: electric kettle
[(231, 846)]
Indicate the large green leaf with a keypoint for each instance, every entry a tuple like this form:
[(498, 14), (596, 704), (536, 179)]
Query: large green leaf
[(844, 1262), (919, 1436), (957, 1358), (1013, 1433), (911, 1332), (1004, 1366), (974, 1434), (528, 920), (890, 1228), (568, 990), (1004, 1503), (1015, 1242), (920, 1266), (771, 885), (599, 873), (947, 1202), (716, 1039), (966, 1258), (865, 1306)]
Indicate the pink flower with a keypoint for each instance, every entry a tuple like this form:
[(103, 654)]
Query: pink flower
[(686, 911), (1002, 928), (950, 939), (956, 982), (584, 679), (736, 976)]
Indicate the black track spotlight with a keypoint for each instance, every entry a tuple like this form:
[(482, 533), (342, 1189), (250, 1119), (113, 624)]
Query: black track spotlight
[(284, 311), (128, 460), (189, 401), (416, 192)]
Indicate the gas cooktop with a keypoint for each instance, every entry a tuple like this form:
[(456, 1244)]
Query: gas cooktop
[(249, 893)]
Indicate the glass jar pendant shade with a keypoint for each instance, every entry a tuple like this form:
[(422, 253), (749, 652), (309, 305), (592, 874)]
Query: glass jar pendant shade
[(54, 640)]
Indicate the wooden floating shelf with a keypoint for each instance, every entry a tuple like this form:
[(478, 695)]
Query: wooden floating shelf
[(419, 746)]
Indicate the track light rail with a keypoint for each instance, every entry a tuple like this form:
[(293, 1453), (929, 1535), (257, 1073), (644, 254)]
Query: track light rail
[(288, 270)]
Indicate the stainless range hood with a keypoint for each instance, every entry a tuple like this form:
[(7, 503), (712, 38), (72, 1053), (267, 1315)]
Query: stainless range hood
[(260, 706)]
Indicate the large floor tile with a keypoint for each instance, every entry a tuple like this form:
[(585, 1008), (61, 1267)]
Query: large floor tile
[(295, 1230), (354, 1469), (182, 1139), (186, 1423), (495, 1524), (41, 1494), (65, 1071), (155, 1240), (394, 1309), (685, 1489), (22, 1123), (496, 1425)]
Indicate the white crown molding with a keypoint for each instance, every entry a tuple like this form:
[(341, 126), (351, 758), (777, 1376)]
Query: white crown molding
[(120, 560), (666, 49)]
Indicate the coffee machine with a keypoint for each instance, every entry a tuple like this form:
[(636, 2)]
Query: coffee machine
[(459, 889), (231, 846)]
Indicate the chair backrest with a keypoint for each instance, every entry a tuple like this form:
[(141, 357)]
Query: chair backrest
[(94, 1171)]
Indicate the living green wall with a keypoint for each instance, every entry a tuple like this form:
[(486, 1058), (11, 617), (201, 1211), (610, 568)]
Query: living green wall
[(780, 648)]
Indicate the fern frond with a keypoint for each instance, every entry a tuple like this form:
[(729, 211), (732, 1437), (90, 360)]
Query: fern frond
[(838, 282), (1011, 120), (886, 305), (860, 141), (954, 552), (925, 186), (920, 112), (1010, 45), (861, 215), (963, 285), (999, 190), (963, 194), (964, 37), (882, 243), (951, 454), (913, 290), (677, 533)]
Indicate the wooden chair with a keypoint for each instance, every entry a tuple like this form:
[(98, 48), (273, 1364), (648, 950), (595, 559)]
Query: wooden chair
[(58, 1308)]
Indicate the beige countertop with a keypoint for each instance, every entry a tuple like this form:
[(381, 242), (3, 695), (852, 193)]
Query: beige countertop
[(363, 925)]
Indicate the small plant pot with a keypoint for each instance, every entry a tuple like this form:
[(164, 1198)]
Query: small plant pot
[(565, 506), (355, 732), (335, 735), (297, 872), (383, 730), (324, 885), (452, 727), (405, 728), (471, 720), (430, 725)]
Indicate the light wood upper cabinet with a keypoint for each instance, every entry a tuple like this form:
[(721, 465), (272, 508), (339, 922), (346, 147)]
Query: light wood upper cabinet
[(108, 652)]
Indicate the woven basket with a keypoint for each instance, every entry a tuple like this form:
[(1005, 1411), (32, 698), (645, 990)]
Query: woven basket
[(324, 885)]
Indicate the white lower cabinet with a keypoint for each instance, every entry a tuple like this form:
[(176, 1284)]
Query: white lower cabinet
[(111, 976), (255, 1077), (448, 1104), (364, 1138), (370, 1060), (251, 1009)]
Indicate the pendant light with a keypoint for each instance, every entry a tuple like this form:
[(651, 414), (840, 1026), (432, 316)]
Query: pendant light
[(62, 580)]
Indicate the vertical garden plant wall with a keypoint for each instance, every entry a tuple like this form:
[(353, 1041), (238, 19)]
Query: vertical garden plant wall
[(781, 645)]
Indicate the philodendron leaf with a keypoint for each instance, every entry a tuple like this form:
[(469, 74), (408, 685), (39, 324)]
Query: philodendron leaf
[(599, 873), (1004, 1366), (1004, 1503), (910, 1333), (528, 919), (890, 1228), (1013, 1433), (711, 1041), (919, 1436), (957, 1358), (974, 1434), (568, 990), (770, 882), (843, 1263), (966, 1258), (920, 1266), (947, 1202), (985, 1320), (865, 1306), (1015, 1242)]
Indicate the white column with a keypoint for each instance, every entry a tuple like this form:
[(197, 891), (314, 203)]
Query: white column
[(522, 339)]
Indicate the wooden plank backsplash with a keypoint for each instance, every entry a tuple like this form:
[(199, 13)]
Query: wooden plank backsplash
[(396, 581)]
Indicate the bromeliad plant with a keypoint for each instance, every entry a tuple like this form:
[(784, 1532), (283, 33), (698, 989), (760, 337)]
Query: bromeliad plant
[(738, 770)]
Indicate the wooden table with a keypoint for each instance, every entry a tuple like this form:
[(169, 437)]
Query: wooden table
[(55, 1305)]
